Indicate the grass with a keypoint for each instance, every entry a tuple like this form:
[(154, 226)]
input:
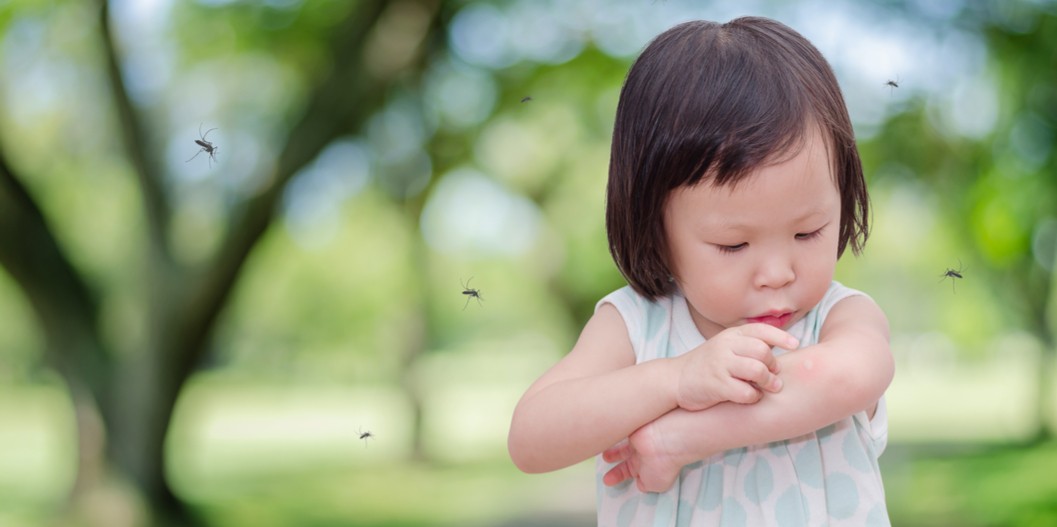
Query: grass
[(973, 486), (401, 494)]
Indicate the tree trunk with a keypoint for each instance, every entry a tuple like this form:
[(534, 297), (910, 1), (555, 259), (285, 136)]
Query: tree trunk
[(1047, 367), (140, 413), (124, 404)]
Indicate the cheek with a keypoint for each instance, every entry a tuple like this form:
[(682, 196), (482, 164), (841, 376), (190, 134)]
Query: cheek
[(714, 296), (819, 272), (824, 255), (686, 259), (702, 272)]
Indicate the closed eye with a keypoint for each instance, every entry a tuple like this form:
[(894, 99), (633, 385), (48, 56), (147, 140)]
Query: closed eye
[(809, 235), (732, 248)]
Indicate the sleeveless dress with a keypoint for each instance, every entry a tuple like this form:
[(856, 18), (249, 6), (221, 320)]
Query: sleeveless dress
[(826, 478)]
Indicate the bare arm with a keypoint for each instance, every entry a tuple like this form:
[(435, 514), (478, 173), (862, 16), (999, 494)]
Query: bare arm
[(590, 399), (846, 372), (597, 395)]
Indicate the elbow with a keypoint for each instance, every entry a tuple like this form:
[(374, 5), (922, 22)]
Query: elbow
[(521, 461), (519, 447), (516, 452), (520, 453), (532, 450), (537, 455)]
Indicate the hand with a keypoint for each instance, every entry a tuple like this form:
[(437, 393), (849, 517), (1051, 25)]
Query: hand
[(735, 365), (644, 457)]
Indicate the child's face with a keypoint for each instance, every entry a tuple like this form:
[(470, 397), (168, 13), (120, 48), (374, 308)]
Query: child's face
[(762, 251)]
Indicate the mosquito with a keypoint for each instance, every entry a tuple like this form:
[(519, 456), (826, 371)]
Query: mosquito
[(892, 84), (365, 436), (206, 146), (526, 98), (470, 293), (954, 275)]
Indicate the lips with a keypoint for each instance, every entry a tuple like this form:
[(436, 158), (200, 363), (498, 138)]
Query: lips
[(778, 319)]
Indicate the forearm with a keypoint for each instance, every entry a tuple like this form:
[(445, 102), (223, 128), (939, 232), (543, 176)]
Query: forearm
[(572, 420), (821, 386)]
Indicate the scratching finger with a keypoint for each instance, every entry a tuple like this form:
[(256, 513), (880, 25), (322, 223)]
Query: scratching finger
[(769, 334), (742, 392)]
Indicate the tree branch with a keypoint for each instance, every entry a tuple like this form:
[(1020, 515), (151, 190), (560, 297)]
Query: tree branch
[(340, 102), (64, 304), (135, 137)]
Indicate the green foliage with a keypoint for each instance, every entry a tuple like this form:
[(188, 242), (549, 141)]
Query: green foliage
[(20, 339), (324, 301), (997, 192), (989, 487)]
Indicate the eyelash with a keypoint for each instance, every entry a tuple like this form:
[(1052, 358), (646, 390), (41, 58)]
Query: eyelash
[(728, 249), (809, 235), (731, 248)]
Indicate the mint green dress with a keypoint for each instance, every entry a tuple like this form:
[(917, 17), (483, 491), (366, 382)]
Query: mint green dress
[(826, 478)]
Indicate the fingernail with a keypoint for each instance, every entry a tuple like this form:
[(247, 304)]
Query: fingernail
[(777, 384)]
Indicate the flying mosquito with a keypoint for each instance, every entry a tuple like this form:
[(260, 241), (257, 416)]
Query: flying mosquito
[(206, 146), (954, 275), (470, 293), (892, 84), (365, 436)]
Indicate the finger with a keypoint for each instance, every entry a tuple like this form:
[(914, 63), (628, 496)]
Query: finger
[(774, 386), (617, 475), (754, 371), (618, 452), (756, 349), (742, 392), (769, 334)]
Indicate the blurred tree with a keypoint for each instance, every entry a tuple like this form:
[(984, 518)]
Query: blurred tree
[(374, 50)]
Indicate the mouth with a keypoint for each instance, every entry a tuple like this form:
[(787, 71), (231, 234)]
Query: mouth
[(778, 319)]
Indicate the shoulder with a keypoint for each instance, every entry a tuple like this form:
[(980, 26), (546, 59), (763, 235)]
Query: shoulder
[(617, 323), (627, 300), (603, 345), (844, 309), (620, 311), (835, 294), (643, 319), (631, 304)]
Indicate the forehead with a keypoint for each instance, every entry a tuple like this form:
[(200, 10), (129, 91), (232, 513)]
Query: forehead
[(798, 184)]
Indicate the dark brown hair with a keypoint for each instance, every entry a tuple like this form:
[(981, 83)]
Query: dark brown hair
[(707, 100)]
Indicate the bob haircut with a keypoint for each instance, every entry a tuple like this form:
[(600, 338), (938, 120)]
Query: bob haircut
[(711, 102)]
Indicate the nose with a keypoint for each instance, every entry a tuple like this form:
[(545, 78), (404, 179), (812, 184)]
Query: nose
[(774, 271)]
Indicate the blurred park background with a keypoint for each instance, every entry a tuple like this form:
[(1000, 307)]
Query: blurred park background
[(205, 342)]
